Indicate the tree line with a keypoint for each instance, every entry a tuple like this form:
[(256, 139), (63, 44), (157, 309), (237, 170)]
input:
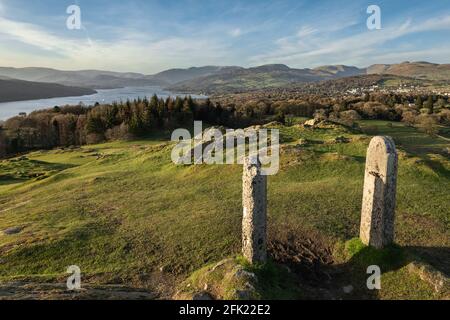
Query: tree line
[(80, 125)]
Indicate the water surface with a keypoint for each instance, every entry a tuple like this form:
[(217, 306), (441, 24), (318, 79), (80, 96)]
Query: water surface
[(10, 109)]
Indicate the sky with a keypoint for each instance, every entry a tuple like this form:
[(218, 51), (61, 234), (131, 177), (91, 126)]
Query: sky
[(149, 36)]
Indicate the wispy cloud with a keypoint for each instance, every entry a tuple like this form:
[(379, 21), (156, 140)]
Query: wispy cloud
[(133, 51), (357, 47), (149, 36), (306, 31)]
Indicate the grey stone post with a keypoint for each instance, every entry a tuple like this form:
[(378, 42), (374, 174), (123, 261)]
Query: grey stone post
[(380, 185), (254, 202)]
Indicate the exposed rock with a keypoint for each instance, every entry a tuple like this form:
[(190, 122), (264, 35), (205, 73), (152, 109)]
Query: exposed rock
[(428, 274), (339, 140), (348, 289), (202, 296), (256, 128), (13, 230), (446, 151), (311, 123), (272, 124), (302, 143), (226, 280), (222, 129), (240, 273), (329, 125), (220, 264)]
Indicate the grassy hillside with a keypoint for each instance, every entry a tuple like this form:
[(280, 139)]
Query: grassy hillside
[(126, 215), (233, 79)]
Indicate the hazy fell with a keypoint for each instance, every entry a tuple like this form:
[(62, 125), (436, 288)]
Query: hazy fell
[(17, 90)]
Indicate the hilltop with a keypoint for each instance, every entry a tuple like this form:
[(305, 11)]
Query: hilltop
[(194, 78), (419, 70), (262, 77), (129, 217), (95, 79), (17, 90), (230, 79)]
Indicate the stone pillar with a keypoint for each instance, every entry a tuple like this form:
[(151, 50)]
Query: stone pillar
[(254, 202), (380, 185)]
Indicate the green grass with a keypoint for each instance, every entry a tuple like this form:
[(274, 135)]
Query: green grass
[(122, 209), (396, 281), (413, 141)]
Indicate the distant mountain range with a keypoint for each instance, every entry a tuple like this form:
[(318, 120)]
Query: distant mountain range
[(267, 76), (273, 74), (216, 79), (86, 78)]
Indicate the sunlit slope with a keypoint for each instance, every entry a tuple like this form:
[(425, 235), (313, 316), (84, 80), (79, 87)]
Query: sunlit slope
[(123, 209)]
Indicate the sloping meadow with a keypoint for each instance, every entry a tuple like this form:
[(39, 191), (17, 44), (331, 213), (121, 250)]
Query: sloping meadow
[(124, 213)]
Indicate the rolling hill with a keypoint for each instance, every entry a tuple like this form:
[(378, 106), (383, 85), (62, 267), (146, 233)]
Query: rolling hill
[(19, 90), (127, 216), (229, 80), (85, 78), (225, 79), (267, 76), (173, 76), (419, 70)]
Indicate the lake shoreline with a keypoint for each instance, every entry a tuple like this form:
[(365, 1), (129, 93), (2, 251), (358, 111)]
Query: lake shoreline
[(53, 97), (14, 108)]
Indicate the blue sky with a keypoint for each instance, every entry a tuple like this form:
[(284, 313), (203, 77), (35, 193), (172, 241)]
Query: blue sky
[(149, 36)]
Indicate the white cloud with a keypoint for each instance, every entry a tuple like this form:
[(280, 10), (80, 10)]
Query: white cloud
[(438, 23), (319, 41), (306, 31), (131, 52), (236, 32), (33, 35), (361, 47)]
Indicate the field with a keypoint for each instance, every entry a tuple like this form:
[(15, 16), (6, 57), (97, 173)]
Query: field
[(129, 217)]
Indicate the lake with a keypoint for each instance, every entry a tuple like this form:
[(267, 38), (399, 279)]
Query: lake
[(10, 109)]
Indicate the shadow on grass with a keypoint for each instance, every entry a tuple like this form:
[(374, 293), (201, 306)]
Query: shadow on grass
[(8, 180), (87, 243), (26, 170), (437, 166), (438, 257), (52, 165), (343, 274)]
